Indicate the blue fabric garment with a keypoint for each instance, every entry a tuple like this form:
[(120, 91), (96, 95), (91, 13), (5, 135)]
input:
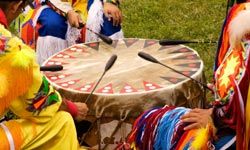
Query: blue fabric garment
[(107, 27), (90, 2), (52, 24), (224, 140)]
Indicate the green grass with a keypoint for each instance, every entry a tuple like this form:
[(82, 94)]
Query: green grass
[(177, 19)]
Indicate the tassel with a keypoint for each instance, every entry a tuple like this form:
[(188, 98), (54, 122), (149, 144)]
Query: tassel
[(134, 137), (167, 127)]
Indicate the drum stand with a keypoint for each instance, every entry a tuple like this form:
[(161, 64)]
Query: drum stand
[(97, 122), (99, 136), (114, 132)]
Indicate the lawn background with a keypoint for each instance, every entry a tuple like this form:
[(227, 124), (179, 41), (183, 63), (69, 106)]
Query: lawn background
[(177, 19)]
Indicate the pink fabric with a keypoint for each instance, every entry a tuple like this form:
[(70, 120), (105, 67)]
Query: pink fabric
[(72, 109)]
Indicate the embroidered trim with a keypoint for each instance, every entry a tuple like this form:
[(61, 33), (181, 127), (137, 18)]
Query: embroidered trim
[(43, 98)]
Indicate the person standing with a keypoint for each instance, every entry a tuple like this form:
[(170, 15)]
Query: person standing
[(53, 24)]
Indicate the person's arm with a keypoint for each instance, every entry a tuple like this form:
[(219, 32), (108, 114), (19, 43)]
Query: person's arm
[(112, 11), (80, 6), (66, 9)]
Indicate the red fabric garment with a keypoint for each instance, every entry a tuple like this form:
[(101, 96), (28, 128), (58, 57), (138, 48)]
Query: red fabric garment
[(232, 114), (72, 108), (73, 2), (3, 19)]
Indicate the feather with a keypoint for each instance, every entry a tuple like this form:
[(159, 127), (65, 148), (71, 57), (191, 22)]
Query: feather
[(3, 84), (201, 138), (22, 59), (239, 28), (17, 67)]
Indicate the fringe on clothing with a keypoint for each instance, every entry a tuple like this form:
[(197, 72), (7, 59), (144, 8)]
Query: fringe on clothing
[(94, 21), (48, 46)]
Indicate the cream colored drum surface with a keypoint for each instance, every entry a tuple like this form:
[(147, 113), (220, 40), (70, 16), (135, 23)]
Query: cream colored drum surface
[(132, 85)]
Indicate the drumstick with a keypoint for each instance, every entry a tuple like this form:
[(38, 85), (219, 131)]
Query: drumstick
[(109, 64), (52, 68), (104, 38), (176, 42), (154, 60)]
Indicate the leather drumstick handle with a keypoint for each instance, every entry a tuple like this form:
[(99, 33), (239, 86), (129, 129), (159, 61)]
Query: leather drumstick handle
[(104, 38), (52, 68)]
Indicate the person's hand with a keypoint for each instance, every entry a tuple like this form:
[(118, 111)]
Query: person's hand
[(74, 19), (82, 111), (197, 118), (111, 11)]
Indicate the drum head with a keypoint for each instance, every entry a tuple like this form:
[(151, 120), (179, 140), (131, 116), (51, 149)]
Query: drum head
[(83, 65), (130, 75)]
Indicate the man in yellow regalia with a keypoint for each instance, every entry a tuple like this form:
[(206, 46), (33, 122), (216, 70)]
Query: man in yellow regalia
[(24, 91)]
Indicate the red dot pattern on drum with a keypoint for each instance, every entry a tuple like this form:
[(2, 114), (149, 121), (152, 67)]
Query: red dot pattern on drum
[(106, 89), (128, 89)]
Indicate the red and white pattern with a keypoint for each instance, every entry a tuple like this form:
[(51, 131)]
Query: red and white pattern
[(87, 87), (57, 77), (107, 89), (150, 86), (68, 84), (128, 89), (64, 56), (85, 63)]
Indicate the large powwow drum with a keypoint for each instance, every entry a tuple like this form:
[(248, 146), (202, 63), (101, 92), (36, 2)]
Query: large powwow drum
[(132, 85)]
